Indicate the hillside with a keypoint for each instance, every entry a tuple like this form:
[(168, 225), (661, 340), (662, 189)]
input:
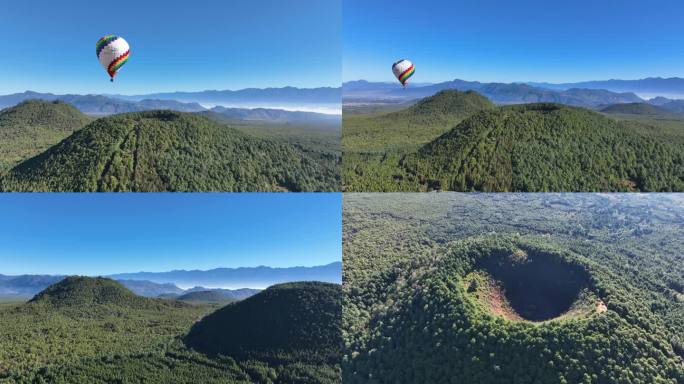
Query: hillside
[(93, 330), (27, 286), (79, 318), (168, 151), (513, 288), (412, 126), (150, 289), (290, 322), (546, 147), (636, 109), (674, 106), (84, 292), (152, 104), (373, 143), (529, 148), (33, 126), (318, 137), (209, 296), (233, 294)]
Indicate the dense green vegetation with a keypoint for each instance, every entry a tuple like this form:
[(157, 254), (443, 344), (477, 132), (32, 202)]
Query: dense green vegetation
[(413, 126), (547, 147), (663, 127), (205, 296), (85, 318), (320, 142), (636, 109), (80, 293), (33, 126), (93, 330), (593, 285), (527, 148), (285, 323), (375, 108), (172, 151)]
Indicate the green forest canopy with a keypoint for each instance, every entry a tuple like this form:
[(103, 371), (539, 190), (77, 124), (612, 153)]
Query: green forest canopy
[(33, 126), (411, 316), (93, 330), (527, 148), (160, 151)]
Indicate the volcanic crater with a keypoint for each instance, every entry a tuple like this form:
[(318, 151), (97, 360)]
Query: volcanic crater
[(533, 286)]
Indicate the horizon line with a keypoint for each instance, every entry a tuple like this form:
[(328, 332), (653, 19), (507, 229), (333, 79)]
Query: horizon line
[(517, 81), (176, 91), (173, 270)]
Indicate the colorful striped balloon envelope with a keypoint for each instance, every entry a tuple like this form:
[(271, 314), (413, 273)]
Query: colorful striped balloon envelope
[(113, 52)]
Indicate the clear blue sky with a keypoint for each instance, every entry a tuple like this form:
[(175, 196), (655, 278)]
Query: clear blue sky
[(100, 234), (521, 40), (49, 45)]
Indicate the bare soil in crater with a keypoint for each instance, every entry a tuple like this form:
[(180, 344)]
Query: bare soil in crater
[(532, 287)]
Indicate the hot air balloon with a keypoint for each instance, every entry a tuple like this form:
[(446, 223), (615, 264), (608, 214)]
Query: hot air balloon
[(403, 70), (112, 51)]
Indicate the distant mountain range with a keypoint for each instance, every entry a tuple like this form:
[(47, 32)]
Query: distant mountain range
[(670, 105), (259, 277), (100, 105), (150, 289), (29, 285), (165, 284), (271, 115), (26, 285), (294, 98), (322, 95), (588, 94), (672, 87)]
